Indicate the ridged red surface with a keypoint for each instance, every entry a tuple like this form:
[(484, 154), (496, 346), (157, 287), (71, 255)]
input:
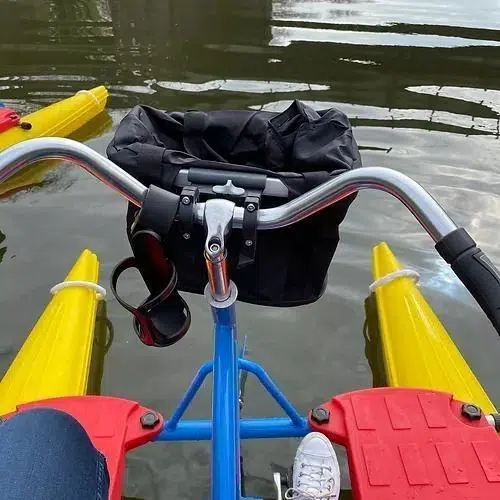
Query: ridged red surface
[(413, 444)]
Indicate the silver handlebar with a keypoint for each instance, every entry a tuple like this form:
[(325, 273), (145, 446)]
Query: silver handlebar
[(21, 155), (420, 203)]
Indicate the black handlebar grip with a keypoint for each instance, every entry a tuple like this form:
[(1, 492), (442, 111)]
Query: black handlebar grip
[(474, 270)]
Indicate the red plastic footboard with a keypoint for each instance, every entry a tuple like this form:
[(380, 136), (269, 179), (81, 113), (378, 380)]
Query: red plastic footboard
[(8, 119), (413, 444), (114, 426)]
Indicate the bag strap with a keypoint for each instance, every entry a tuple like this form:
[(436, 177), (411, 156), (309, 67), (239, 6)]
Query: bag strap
[(158, 211), (195, 124)]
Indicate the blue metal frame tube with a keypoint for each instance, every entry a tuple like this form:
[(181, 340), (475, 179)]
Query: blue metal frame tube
[(250, 428), (272, 388), (225, 408), (189, 395)]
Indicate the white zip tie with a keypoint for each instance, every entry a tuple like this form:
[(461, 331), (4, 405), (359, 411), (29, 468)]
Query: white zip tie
[(90, 94), (400, 273), (100, 290)]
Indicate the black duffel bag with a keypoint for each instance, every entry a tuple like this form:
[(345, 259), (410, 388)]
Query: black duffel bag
[(190, 153)]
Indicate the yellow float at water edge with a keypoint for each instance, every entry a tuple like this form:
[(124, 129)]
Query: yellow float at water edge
[(35, 174), (55, 358), (59, 119), (415, 347)]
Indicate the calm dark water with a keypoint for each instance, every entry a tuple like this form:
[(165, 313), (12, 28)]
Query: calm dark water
[(420, 82)]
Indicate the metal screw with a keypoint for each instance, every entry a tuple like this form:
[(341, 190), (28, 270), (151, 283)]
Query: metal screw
[(251, 207), (320, 415), (214, 247), (186, 236), (248, 243), (149, 420), (471, 412), (185, 200)]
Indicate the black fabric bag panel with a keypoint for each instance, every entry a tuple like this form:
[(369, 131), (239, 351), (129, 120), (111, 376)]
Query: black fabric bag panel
[(301, 146), (151, 144)]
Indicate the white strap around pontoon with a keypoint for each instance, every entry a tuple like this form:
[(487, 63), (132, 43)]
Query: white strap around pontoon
[(100, 290), (90, 94), (400, 273)]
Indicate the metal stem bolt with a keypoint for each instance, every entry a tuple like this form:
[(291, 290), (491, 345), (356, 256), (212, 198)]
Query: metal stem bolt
[(248, 243), (186, 236), (251, 207), (214, 247), (185, 200)]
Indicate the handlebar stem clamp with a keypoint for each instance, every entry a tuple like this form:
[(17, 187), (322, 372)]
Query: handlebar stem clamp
[(218, 222)]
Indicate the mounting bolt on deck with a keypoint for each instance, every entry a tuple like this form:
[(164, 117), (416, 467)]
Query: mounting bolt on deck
[(471, 412), (185, 200), (320, 415), (149, 420)]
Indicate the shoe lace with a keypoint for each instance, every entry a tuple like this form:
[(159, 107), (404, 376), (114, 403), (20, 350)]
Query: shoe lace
[(316, 483)]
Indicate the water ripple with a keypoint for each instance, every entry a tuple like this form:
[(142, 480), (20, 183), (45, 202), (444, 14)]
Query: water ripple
[(284, 36), (250, 86)]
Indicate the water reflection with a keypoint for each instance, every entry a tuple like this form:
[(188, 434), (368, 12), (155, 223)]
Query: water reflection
[(369, 63), (402, 118), (456, 13), (248, 86), (3, 249), (103, 339), (373, 343), (484, 97), (327, 11), (78, 10), (285, 36)]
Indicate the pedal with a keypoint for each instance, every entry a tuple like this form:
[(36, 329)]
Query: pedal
[(277, 485)]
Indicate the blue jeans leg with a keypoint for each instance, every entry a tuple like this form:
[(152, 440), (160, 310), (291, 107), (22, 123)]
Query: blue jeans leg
[(46, 454)]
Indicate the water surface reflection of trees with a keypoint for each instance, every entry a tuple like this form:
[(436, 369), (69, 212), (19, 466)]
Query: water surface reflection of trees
[(132, 45)]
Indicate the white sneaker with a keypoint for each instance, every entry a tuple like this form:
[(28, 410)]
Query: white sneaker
[(316, 473)]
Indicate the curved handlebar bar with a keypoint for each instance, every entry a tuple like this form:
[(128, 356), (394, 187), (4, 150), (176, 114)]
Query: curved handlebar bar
[(470, 264), (427, 211), (418, 201), (15, 158)]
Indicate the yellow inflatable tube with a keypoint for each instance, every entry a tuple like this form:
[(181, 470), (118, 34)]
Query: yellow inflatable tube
[(416, 348), (55, 358), (59, 119)]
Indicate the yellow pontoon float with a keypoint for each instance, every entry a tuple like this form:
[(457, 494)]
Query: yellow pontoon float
[(56, 356)]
